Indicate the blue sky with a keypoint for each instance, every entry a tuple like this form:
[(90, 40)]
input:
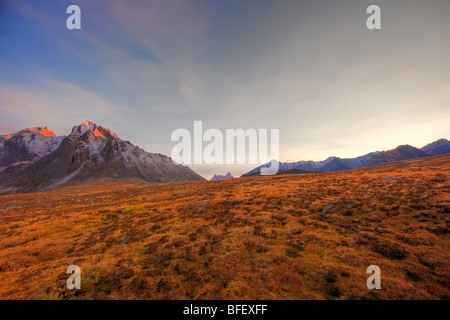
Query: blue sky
[(309, 68)]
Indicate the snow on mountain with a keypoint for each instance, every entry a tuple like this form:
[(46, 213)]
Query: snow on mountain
[(27, 145), (89, 152), (306, 165), (98, 131), (330, 164)]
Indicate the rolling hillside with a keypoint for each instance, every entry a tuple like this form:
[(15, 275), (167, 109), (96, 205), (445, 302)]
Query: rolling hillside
[(274, 237)]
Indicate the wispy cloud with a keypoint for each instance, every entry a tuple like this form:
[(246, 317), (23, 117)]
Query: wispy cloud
[(145, 68), (58, 104)]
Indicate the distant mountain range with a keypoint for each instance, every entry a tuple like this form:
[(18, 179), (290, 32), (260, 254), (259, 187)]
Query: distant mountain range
[(333, 164), (280, 172), (220, 177), (35, 159)]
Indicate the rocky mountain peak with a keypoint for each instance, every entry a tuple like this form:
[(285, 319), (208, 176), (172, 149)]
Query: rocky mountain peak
[(41, 161)]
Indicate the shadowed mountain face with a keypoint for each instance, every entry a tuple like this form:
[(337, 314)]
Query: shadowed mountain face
[(90, 152), (280, 172), (331, 164), (405, 152), (334, 164), (220, 177), (441, 146), (338, 164)]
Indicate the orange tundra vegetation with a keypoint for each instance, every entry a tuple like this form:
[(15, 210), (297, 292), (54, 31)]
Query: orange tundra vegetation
[(272, 237)]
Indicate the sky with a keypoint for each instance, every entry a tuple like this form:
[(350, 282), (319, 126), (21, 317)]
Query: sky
[(311, 69)]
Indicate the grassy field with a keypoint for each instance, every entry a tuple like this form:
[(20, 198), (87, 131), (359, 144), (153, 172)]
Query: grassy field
[(277, 237)]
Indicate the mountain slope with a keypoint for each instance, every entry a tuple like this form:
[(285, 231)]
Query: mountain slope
[(334, 164), (27, 145), (331, 164), (282, 237), (441, 146), (299, 165), (338, 164), (280, 172), (404, 152), (220, 177), (92, 152)]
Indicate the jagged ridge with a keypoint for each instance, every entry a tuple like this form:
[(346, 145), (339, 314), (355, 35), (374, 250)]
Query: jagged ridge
[(90, 152)]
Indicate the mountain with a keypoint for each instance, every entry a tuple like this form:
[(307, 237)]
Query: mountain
[(441, 146), (220, 177), (404, 152), (333, 164), (280, 172), (27, 145), (338, 164), (286, 166), (90, 152)]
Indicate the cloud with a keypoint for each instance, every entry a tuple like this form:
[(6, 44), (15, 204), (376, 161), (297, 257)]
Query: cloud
[(314, 71), (56, 102)]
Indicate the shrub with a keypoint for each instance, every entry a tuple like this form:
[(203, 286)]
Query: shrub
[(292, 253), (390, 250), (333, 291), (330, 277), (132, 208), (155, 228), (203, 251)]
